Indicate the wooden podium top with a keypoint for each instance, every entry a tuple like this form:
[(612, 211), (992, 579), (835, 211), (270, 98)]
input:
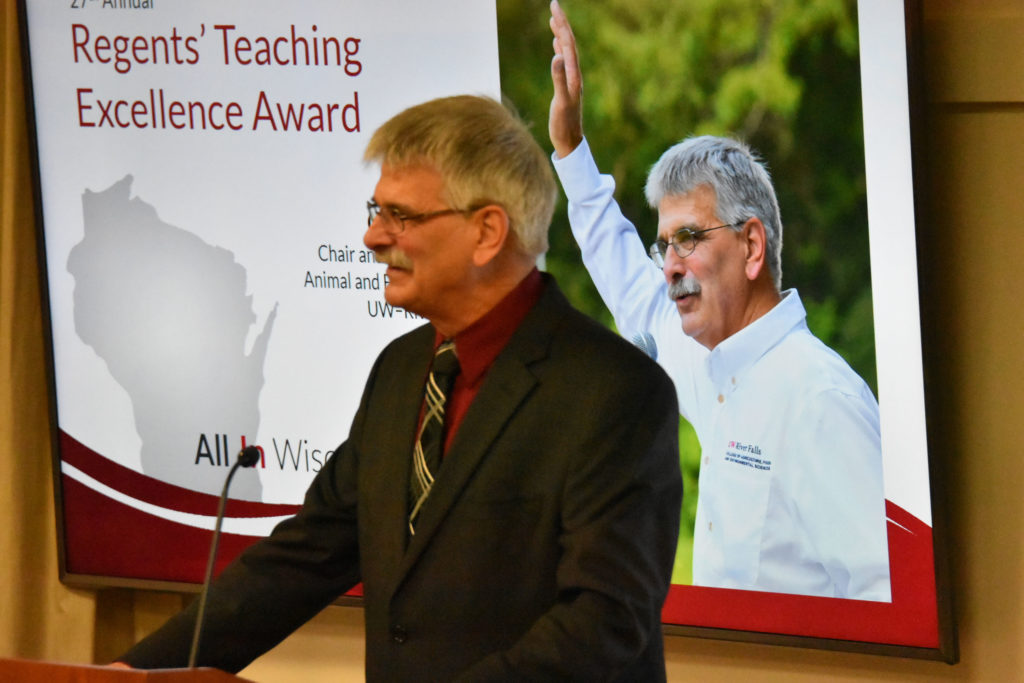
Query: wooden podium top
[(25, 671)]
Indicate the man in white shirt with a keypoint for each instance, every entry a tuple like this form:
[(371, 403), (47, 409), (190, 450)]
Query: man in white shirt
[(791, 497)]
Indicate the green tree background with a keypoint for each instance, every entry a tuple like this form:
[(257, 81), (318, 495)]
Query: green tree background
[(783, 75)]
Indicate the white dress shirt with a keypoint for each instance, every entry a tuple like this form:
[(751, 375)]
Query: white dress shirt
[(791, 497)]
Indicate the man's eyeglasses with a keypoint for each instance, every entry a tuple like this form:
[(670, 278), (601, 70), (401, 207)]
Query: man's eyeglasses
[(683, 242), (395, 219)]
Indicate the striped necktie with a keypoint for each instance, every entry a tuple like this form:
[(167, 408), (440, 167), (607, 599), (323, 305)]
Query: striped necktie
[(426, 457)]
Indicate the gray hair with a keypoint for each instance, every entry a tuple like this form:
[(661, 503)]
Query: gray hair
[(741, 183), (484, 153)]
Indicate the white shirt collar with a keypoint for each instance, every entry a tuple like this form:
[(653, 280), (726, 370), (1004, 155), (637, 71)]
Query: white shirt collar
[(728, 361)]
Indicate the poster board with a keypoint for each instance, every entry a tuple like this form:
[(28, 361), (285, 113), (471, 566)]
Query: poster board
[(196, 195)]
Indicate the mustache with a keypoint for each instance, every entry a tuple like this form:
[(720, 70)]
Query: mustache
[(393, 256), (683, 286)]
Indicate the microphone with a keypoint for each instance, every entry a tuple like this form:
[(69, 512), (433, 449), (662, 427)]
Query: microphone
[(645, 342), (247, 457)]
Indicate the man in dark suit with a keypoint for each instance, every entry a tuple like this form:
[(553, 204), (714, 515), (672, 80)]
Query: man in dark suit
[(541, 546)]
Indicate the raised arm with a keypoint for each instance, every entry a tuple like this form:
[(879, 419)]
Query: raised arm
[(630, 284)]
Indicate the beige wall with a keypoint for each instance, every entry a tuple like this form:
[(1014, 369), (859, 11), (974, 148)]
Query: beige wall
[(974, 135)]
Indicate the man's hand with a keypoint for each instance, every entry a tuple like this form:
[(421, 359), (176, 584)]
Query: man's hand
[(565, 120)]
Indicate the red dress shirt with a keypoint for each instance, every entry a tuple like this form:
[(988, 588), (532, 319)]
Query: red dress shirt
[(479, 344)]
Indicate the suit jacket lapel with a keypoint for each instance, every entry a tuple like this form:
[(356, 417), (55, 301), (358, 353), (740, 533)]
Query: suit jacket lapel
[(397, 431)]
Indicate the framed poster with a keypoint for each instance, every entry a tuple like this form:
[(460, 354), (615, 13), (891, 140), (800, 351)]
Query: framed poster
[(822, 92), (203, 201), (210, 123)]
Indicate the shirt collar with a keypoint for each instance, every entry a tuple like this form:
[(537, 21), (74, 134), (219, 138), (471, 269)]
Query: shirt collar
[(479, 344), (735, 355)]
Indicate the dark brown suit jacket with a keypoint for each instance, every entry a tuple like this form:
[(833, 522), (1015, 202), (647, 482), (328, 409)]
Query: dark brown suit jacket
[(543, 553)]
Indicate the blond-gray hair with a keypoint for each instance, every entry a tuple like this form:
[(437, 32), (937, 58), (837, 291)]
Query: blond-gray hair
[(485, 155)]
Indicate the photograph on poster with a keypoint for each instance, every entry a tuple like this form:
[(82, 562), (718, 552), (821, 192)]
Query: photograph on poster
[(830, 516)]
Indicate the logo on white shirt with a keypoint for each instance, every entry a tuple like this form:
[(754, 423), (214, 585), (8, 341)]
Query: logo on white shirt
[(748, 455)]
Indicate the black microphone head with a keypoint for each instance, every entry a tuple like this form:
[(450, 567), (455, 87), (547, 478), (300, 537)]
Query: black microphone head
[(248, 456), (645, 342)]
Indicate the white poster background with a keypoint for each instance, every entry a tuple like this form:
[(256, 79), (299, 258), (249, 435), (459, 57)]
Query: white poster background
[(893, 248), (271, 198)]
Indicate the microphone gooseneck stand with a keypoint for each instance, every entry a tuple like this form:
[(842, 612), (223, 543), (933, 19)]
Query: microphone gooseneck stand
[(247, 457)]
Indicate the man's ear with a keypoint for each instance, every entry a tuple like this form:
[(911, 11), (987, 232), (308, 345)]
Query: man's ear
[(755, 237), (494, 230)]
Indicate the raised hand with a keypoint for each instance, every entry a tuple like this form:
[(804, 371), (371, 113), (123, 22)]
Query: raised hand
[(565, 118)]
